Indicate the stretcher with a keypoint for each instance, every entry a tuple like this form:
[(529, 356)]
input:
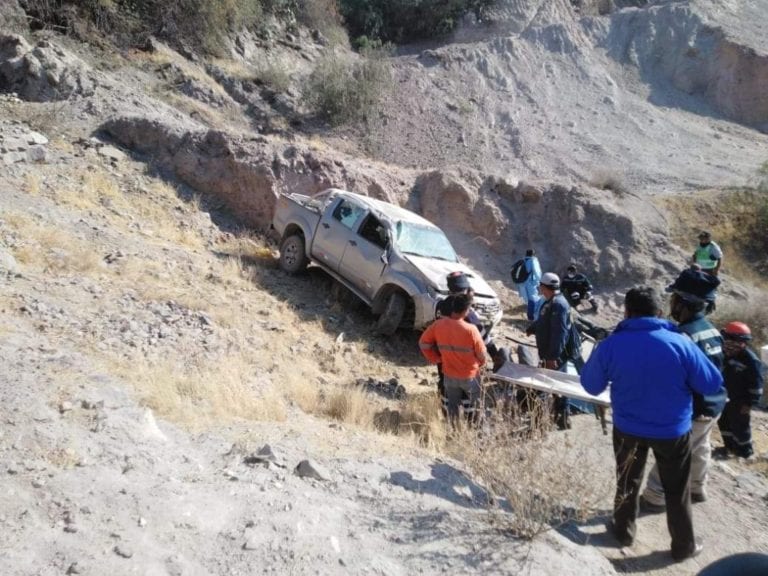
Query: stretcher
[(549, 381)]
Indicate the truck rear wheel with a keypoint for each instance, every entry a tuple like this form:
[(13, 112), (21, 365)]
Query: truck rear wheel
[(392, 315), (293, 255)]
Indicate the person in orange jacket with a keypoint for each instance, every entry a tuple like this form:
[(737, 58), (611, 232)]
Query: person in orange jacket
[(457, 345)]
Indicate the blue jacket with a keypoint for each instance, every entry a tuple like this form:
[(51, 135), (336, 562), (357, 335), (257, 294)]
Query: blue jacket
[(653, 371), (709, 341), (529, 290)]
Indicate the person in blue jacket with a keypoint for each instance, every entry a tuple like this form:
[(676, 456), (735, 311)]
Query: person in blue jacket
[(529, 290), (653, 371)]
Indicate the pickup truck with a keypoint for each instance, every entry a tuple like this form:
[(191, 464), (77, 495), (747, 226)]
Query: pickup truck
[(392, 259)]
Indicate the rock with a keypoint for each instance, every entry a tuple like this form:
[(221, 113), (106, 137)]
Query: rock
[(38, 483), (142, 522), (70, 528), (74, 568), (311, 469), (111, 153), (265, 455), (65, 406), (7, 261), (13, 157), (123, 551), (35, 138), (37, 154)]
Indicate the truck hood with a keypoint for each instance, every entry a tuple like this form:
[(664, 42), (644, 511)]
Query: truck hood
[(436, 271)]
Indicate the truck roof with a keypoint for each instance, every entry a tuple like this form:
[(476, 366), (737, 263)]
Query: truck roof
[(391, 211)]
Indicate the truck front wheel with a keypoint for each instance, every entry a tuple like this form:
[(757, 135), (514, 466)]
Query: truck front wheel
[(392, 315), (293, 255)]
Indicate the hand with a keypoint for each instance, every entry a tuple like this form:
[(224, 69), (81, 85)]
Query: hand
[(550, 364)]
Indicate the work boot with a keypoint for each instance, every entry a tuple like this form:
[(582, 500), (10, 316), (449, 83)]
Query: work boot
[(697, 549), (698, 497)]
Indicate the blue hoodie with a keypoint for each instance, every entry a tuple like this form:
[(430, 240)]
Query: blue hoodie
[(653, 371)]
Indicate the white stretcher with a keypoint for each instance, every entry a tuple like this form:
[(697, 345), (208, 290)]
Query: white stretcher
[(549, 381)]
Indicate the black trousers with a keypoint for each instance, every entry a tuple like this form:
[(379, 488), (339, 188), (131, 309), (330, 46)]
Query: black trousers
[(674, 461), (736, 429)]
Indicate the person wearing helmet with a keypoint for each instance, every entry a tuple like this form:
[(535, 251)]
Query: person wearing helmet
[(744, 382), (552, 329), (690, 292), (577, 288)]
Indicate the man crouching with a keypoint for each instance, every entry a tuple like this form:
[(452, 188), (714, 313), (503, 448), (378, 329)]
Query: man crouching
[(457, 345)]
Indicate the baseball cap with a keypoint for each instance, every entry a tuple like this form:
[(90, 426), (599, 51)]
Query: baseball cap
[(550, 279)]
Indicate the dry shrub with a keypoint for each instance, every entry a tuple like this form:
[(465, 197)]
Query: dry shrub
[(539, 479), (351, 405), (33, 184), (422, 419), (198, 394), (304, 393), (608, 180), (754, 313)]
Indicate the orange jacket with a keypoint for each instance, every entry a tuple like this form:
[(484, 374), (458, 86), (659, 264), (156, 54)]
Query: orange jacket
[(456, 344)]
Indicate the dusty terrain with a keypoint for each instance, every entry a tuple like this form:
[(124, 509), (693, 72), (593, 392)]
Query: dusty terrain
[(152, 348)]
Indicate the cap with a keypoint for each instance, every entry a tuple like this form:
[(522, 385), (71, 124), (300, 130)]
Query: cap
[(704, 234), (551, 280), (737, 331), (695, 285), (458, 282)]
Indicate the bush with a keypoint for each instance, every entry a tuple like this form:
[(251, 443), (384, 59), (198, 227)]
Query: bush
[(344, 90), (406, 20)]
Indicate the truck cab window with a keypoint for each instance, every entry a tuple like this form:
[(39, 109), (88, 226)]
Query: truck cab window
[(348, 213), (373, 231)]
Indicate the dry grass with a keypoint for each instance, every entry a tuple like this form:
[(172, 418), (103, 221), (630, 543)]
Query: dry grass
[(537, 480), (33, 184), (198, 394), (754, 313), (50, 248)]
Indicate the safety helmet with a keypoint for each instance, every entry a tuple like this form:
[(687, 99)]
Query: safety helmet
[(695, 286), (551, 280), (737, 331), (458, 282)]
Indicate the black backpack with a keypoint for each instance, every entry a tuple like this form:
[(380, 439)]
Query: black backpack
[(519, 272)]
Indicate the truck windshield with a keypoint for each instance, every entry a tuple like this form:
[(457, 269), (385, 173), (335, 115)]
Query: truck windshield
[(424, 241)]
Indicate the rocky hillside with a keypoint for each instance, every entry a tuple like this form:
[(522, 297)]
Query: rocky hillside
[(165, 382)]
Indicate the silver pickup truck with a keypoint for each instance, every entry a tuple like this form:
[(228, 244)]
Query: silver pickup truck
[(392, 259)]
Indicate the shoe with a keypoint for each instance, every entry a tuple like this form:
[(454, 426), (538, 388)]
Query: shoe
[(624, 539), (697, 549), (698, 497), (720, 453), (650, 508)]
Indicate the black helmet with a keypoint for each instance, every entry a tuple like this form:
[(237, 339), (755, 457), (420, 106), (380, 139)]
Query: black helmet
[(695, 286), (458, 282)]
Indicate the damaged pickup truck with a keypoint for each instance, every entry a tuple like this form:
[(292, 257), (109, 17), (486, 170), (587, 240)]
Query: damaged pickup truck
[(392, 259)]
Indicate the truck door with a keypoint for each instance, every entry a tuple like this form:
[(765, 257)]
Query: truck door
[(335, 231), (362, 263)]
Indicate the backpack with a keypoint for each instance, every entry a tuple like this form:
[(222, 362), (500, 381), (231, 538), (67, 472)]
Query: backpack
[(519, 272)]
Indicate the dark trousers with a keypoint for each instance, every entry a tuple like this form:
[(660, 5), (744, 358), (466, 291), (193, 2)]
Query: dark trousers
[(674, 461), (735, 429)]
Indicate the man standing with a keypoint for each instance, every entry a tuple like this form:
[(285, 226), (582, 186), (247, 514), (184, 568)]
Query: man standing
[(552, 329), (744, 382), (456, 345), (708, 255), (529, 289), (690, 293), (652, 371)]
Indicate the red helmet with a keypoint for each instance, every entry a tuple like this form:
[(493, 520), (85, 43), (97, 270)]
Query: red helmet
[(737, 331)]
